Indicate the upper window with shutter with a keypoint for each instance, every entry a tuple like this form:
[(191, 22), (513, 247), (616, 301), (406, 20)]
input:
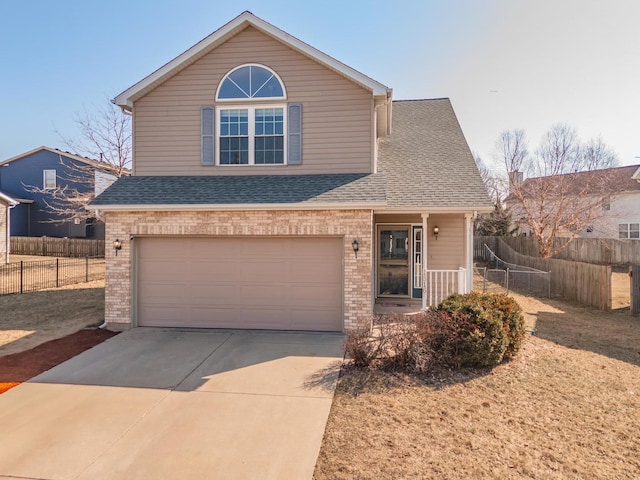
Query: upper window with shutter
[(250, 124)]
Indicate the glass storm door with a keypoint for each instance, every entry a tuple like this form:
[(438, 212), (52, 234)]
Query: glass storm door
[(417, 262), (393, 261)]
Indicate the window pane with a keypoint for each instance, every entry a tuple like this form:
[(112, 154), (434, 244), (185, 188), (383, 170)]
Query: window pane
[(241, 77), (623, 230), (229, 90), (234, 144), (634, 230), (49, 178), (270, 89)]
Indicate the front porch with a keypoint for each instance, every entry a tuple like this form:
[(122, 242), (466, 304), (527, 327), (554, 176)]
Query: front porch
[(420, 259)]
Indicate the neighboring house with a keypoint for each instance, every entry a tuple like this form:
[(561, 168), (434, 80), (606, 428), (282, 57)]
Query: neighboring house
[(617, 195), (6, 204), (28, 177), (274, 187)]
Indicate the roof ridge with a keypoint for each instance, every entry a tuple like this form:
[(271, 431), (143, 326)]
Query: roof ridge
[(422, 99)]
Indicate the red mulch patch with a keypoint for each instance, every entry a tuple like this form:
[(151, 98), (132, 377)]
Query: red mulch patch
[(20, 367)]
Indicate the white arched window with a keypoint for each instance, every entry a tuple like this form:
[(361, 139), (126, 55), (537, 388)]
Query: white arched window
[(251, 123), (251, 81)]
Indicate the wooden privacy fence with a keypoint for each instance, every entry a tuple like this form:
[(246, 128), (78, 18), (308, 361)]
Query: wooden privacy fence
[(603, 251), (585, 283), (23, 277), (57, 247)]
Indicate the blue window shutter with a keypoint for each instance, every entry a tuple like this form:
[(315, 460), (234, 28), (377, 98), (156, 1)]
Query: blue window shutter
[(208, 133), (295, 134)]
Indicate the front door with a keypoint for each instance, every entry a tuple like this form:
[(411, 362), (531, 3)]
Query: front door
[(393, 261)]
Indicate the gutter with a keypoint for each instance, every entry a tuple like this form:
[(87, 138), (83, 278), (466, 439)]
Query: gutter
[(208, 207)]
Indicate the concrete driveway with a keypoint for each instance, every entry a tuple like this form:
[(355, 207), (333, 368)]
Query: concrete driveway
[(160, 403)]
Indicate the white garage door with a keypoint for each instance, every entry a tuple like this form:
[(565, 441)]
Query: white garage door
[(240, 282)]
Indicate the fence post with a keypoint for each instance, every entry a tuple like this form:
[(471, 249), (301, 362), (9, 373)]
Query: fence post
[(57, 272), (507, 281), (86, 269), (21, 275), (484, 281), (634, 273)]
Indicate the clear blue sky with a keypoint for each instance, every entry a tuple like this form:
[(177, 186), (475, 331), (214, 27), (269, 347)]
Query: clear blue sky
[(504, 64)]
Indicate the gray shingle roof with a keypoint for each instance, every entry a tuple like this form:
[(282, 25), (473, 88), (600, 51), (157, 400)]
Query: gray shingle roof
[(427, 161), (249, 189)]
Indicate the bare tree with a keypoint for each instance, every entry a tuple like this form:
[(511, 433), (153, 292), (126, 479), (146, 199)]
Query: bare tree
[(495, 185), (565, 187), (105, 136), (105, 148)]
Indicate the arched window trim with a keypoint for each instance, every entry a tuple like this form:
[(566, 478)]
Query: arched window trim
[(254, 99)]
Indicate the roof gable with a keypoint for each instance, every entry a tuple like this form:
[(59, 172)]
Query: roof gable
[(179, 63), (8, 200), (602, 181), (102, 166)]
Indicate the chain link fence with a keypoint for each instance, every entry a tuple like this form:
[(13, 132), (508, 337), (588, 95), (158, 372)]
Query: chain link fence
[(494, 275)]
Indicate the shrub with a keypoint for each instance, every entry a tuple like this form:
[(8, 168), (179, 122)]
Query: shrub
[(471, 330), (491, 327), (360, 345)]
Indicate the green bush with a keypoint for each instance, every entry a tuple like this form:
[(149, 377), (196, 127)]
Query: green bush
[(491, 327)]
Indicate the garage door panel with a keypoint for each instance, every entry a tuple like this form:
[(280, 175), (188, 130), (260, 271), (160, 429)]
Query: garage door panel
[(314, 296), (204, 272), (265, 271), (314, 271), (213, 292), (160, 268), (159, 291), (223, 248), (241, 282), (265, 295)]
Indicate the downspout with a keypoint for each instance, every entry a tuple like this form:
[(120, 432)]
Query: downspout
[(103, 325)]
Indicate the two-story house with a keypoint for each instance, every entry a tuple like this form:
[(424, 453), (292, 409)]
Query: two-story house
[(33, 177), (275, 187), (609, 199)]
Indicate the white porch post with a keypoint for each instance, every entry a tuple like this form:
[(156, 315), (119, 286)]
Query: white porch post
[(468, 251), (425, 236)]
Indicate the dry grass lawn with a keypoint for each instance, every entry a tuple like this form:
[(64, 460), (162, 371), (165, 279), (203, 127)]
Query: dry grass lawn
[(30, 319), (567, 407), (620, 290)]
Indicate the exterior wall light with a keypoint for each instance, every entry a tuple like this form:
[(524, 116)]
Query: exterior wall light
[(356, 246), (436, 231), (117, 245)]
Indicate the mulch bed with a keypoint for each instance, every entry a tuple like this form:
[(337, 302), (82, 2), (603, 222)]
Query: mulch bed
[(20, 367)]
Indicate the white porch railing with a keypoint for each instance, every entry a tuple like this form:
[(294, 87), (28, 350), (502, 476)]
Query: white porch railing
[(439, 284)]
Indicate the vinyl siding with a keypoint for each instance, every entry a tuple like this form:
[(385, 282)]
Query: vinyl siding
[(447, 252), (337, 114)]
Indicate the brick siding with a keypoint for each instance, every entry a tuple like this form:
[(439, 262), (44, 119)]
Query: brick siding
[(350, 224)]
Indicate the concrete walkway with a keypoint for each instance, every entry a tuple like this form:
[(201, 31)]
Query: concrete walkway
[(156, 403)]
